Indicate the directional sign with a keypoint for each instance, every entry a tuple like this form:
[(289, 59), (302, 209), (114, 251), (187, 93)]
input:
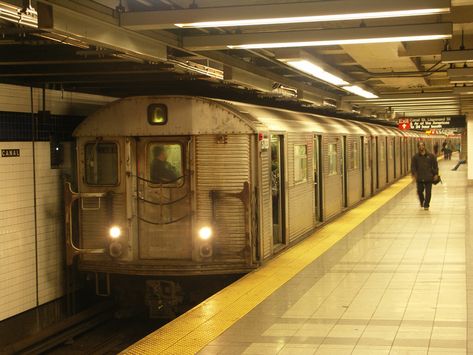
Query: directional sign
[(437, 122), (404, 124)]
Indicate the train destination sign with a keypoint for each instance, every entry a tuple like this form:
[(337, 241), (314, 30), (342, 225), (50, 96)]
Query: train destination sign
[(8, 153), (437, 122)]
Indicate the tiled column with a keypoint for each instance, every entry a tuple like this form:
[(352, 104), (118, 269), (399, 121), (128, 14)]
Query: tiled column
[(469, 128)]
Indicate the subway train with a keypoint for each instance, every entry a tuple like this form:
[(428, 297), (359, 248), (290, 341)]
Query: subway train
[(181, 185)]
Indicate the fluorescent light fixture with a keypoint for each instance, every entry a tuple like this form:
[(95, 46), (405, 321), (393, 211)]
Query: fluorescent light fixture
[(316, 71), (15, 14), (463, 90), (324, 37), (461, 80), (339, 42), (322, 18), (199, 68), (271, 14), (360, 92), (460, 56), (456, 72)]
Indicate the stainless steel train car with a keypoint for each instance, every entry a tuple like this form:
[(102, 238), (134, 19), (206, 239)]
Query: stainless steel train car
[(179, 185)]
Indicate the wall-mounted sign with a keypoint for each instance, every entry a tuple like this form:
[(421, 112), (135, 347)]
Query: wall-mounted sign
[(404, 124), (437, 122), (8, 153)]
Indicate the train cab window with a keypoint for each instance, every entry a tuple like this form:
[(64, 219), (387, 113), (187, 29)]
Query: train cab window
[(332, 159), (165, 163), (101, 163), (300, 163)]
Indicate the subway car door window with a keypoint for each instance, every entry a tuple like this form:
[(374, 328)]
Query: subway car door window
[(165, 163), (101, 164)]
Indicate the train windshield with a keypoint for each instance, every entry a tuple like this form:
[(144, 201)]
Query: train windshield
[(101, 163), (165, 163)]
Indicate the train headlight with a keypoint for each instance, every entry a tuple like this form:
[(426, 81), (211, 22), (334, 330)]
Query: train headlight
[(115, 232), (205, 233)]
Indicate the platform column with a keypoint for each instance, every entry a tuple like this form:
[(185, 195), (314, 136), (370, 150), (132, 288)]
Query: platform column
[(469, 151)]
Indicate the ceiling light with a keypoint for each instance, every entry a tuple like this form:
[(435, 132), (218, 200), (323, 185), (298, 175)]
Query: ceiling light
[(27, 17), (269, 14), (316, 71), (339, 42), (322, 18), (456, 72), (461, 80), (324, 37), (460, 56), (360, 92), (463, 90)]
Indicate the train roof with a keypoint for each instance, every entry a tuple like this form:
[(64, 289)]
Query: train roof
[(190, 115)]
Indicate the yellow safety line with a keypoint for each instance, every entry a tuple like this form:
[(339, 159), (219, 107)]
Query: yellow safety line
[(193, 330)]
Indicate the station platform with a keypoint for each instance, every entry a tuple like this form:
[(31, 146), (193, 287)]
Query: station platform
[(387, 277)]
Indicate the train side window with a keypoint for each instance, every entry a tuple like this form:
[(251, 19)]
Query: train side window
[(300, 163), (101, 163), (382, 152), (354, 155), (390, 150), (332, 159), (367, 156), (165, 163)]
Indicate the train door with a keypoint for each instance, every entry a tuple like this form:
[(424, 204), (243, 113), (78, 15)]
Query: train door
[(401, 157), (387, 156), (277, 190), (364, 177), (317, 178), (394, 156), (344, 172), (163, 200), (375, 170)]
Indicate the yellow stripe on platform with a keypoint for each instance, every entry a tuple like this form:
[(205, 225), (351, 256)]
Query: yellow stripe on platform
[(198, 327)]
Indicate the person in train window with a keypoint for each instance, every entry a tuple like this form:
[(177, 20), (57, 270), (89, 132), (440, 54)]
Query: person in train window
[(162, 172), (425, 169)]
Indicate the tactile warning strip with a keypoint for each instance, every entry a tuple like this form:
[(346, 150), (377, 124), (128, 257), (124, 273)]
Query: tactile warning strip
[(193, 330)]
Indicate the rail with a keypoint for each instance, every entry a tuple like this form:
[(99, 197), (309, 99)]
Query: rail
[(69, 198)]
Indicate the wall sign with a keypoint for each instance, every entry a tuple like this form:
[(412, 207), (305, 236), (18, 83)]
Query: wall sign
[(404, 124), (437, 122), (8, 153)]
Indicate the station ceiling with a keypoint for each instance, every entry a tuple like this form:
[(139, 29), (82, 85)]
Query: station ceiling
[(128, 47)]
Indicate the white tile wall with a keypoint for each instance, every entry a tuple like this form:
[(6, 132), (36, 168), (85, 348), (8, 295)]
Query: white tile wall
[(15, 98), (49, 226), (17, 234), (17, 243)]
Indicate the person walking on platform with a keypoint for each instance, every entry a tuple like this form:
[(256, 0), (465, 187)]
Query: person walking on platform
[(424, 169)]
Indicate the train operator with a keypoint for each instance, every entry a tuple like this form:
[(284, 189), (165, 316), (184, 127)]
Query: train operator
[(425, 169), (162, 172)]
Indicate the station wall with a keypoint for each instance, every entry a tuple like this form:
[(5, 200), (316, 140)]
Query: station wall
[(31, 209)]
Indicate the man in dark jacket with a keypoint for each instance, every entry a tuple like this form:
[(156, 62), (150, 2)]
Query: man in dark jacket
[(162, 172), (424, 169)]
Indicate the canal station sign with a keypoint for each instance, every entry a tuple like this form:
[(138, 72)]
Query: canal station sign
[(434, 122)]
